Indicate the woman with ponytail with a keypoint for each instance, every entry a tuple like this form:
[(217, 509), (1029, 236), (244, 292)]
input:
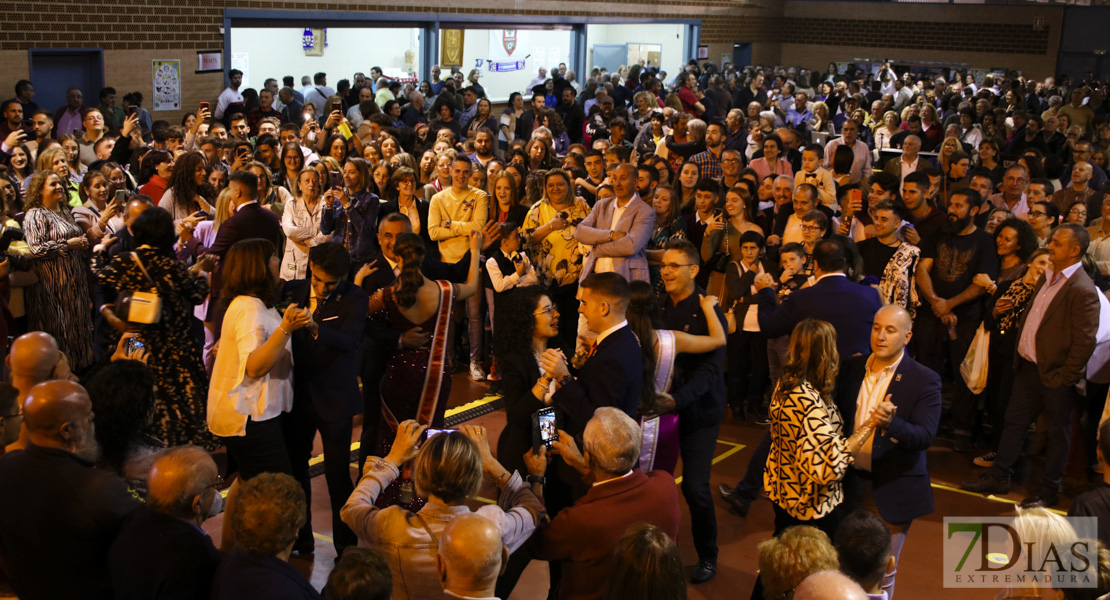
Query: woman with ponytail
[(660, 443), (417, 379)]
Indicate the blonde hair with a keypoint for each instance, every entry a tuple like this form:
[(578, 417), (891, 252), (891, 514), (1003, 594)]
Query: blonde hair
[(449, 466), (223, 209), (797, 553), (45, 161)]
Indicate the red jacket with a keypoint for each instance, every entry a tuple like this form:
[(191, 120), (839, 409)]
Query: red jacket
[(585, 535)]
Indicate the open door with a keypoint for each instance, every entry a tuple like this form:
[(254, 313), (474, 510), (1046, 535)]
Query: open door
[(55, 71)]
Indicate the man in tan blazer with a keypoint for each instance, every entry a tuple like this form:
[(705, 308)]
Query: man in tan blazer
[(1055, 341)]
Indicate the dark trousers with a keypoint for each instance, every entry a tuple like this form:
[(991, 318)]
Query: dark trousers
[(933, 346), (747, 368), (748, 488), (262, 450), (1000, 383), (301, 425), (696, 446), (374, 359), (1029, 399)]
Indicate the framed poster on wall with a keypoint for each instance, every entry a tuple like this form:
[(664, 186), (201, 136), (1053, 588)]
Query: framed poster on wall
[(451, 52)]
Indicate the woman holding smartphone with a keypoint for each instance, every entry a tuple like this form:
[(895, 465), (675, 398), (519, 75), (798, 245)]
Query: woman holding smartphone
[(99, 215), (351, 213)]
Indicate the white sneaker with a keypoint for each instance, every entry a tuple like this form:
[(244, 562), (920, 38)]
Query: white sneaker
[(476, 372)]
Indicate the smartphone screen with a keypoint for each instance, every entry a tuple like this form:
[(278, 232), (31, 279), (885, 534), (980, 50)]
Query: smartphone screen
[(430, 433), (133, 344), (548, 433)]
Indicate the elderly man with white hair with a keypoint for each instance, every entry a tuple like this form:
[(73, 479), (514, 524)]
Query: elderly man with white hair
[(584, 537)]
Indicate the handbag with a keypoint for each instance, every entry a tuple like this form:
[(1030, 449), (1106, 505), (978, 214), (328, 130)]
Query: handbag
[(144, 308), (974, 367)]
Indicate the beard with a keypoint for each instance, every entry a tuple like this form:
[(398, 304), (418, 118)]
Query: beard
[(88, 449), (955, 226)]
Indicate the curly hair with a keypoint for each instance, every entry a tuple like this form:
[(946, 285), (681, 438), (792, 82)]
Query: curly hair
[(268, 512), (34, 191), (812, 358), (122, 395), (1026, 237), (797, 553), (183, 180), (516, 313), (409, 248)]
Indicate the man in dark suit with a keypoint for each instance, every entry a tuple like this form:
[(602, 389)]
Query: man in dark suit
[(613, 372), (698, 393), (583, 538), (250, 220), (848, 306), (325, 377), (161, 546), (57, 508), (1055, 340), (381, 340), (889, 476)]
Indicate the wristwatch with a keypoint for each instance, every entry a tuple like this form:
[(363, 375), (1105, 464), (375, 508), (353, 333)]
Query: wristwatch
[(566, 379), (540, 479)]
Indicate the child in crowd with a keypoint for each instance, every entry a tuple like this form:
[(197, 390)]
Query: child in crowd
[(814, 174)]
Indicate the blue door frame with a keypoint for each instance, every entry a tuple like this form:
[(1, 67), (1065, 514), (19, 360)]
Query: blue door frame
[(432, 22)]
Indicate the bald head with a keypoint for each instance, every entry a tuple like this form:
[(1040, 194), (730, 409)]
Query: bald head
[(829, 585), (179, 479), (471, 555), (33, 357), (896, 313), (58, 414), (890, 332)]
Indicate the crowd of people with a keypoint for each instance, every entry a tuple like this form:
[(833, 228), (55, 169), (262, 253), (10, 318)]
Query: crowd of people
[(856, 260)]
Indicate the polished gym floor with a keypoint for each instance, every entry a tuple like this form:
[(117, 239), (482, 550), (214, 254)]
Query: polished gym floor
[(919, 572)]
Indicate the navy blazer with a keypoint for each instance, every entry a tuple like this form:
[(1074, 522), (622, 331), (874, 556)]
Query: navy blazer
[(244, 576), (327, 366), (613, 376), (848, 306), (899, 472), (249, 221)]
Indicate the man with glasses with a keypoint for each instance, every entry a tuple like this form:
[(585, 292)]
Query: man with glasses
[(1082, 153), (699, 395), (731, 162), (1012, 197)]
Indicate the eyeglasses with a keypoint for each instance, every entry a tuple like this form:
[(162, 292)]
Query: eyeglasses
[(1034, 213), (11, 416), (549, 310), (730, 161), (811, 228), (673, 266)]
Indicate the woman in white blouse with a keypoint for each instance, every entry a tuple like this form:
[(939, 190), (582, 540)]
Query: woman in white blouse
[(252, 380), (301, 224)]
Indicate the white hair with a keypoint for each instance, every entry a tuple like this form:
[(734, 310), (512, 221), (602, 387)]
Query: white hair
[(613, 440)]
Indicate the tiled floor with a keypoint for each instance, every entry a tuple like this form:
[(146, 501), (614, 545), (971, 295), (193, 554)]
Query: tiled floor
[(918, 573)]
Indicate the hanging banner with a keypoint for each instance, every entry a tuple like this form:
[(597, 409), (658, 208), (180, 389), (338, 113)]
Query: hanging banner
[(167, 84), (451, 54), (505, 52)]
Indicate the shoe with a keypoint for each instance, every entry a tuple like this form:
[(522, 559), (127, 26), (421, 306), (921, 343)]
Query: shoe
[(705, 571), (494, 388), (737, 412), (735, 504), (985, 460), (476, 372), (1041, 500), (305, 545), (963, 443), (985, 484)]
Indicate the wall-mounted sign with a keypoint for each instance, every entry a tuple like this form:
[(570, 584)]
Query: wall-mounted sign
[(210, 61)]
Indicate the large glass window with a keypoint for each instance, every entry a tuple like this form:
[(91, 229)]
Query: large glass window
[(659, 44), (497, 52)]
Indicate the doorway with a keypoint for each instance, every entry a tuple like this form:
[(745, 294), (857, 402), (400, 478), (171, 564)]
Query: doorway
[(55, 71), (741, 54)]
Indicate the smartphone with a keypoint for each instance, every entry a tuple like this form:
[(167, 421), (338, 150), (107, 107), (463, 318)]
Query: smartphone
[(430, 433), (205, 106), (345, 130), (544, 428), (131, 110), (133, 345), (335, 179), (121, 197)]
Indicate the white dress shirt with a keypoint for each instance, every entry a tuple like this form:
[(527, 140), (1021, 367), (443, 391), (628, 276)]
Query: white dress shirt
[(871, 393)]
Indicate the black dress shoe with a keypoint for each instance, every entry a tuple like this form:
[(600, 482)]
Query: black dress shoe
[(305, 545), (985, 484), (1041, 500), (735, 504), (737, 411), (705, 571)]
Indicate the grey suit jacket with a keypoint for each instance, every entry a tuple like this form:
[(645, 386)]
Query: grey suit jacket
[(628, 252), (1066, 336)]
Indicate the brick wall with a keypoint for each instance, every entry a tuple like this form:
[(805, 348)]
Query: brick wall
[(133, 32), (815, 33)]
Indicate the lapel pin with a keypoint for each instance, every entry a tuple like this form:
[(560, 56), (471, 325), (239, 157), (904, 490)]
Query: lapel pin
[(898, 377)]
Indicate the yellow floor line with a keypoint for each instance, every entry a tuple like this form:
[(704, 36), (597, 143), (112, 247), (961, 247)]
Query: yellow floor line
[(988, 497), (470, 405), (735, 448), (322, 537)]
